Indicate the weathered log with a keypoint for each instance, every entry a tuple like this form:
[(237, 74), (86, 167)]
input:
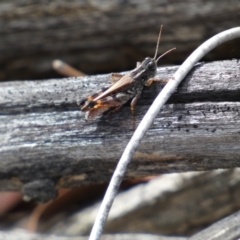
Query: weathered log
[(18, 234), (111, 36), (172, 204), (160, 206), (226, 229), (45, 141)]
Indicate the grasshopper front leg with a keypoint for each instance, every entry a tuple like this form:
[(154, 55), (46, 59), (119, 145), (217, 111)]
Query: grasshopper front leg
[(151, 80)]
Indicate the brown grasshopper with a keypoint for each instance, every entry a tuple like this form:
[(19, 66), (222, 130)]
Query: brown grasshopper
[(128, 86)]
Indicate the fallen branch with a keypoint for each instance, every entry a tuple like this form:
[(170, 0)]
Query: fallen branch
[(44, 135)]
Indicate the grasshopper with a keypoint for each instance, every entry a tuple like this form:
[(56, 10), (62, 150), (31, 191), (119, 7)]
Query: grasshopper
[(128, 86)]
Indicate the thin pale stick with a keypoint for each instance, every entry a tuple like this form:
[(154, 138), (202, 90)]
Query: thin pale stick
[(147, 121), (65, 69)]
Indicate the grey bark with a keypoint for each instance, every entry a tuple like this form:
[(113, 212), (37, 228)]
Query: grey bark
[(160, 206), (172, 204), (97, 36), (24, 235), (44, 136)]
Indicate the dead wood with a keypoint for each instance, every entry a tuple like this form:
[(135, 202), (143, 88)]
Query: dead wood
[(111, 36), (172, 204), (46, 143), (18, 234), (159, 206)]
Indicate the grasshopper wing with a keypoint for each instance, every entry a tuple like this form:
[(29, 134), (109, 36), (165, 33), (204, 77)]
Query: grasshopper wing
[(124, 81)]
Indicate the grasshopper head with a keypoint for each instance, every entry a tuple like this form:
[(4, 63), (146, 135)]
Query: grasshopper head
[(150, 66)]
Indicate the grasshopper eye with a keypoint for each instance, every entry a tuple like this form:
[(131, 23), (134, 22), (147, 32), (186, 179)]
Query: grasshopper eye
[(151, 66)]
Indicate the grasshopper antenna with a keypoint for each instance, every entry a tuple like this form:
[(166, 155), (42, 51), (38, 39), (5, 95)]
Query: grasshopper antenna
[(165, 53), (158, 41)]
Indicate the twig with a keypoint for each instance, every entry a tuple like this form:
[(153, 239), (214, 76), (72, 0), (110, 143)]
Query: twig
[(65, 69), (147, 121)]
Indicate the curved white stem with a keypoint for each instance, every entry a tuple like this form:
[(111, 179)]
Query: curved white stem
[(147, 121)]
